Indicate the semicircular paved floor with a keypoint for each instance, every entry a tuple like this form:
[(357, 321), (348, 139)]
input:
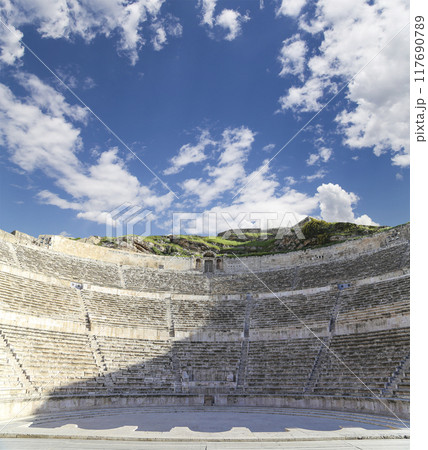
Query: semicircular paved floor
[(207, 424), (215, 420)]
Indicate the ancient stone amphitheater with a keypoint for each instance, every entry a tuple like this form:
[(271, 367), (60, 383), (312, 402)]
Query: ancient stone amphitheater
[(83, 326)]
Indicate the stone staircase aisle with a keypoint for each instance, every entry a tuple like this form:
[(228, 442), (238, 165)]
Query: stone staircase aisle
[(394, 380), (240, 377), (104, 378), (322, 357), (175, 361), (23, 378)]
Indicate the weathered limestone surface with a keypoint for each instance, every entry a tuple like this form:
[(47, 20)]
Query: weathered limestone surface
[(144, 279), (176, 335)]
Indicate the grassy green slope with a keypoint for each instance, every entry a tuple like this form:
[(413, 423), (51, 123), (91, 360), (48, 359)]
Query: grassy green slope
[(312, 234)]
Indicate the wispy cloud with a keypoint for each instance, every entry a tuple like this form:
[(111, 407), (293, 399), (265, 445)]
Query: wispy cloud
[(323, 155), (321, 173), (268, 147), (229, 169), (190, 154), (229, 20), (41, 134)]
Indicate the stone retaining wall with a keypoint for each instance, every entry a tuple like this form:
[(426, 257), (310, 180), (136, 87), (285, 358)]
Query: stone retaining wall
[(26, 407)]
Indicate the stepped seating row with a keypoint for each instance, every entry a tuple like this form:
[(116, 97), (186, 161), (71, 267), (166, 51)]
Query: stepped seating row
[(405, 261), (125, 310), (276, 280), (6, 256), (63, 363), (280, 366), (384, 299), (137, 311), (370, 358), (390, 298), (364, 266), (71, 268), (208, 365), (375, 294), (54, 361), (24, 295), (359, 316), (68, 267), (283, 311), (214, 314), (403, 387), (138, 364), (314, 275), (143, 279)]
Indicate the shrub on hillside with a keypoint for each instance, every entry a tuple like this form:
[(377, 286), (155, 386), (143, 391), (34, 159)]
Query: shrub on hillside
[(314, 228)]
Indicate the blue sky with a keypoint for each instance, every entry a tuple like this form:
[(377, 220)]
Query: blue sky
[(204, 94)]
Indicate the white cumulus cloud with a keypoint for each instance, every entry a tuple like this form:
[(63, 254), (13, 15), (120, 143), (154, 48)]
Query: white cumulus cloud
[(87, 19), (305, 98), (208, 7), (258, 195), (11, 49), (292, 56), (230, 20), (336, 205), (359, 39), (290, 7)]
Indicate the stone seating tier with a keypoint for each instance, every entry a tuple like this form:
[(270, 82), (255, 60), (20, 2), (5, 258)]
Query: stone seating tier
[(138, 363), (217, 314), (125, 310), (9, 380), (314, 275), (6, 254), (24, 295), (375, 294), (160, 281), (281, 311), (83, 270), (94, 361), (66, 267), (52, 359), (280, 366), (369, 357), (361, 316), (213, 362), (273, 280), (365, 266)]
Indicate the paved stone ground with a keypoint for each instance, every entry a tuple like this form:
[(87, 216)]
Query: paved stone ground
[(205, 428), (64, 444)]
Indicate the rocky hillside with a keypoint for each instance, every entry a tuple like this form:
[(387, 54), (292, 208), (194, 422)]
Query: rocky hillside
[(311, 233)]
